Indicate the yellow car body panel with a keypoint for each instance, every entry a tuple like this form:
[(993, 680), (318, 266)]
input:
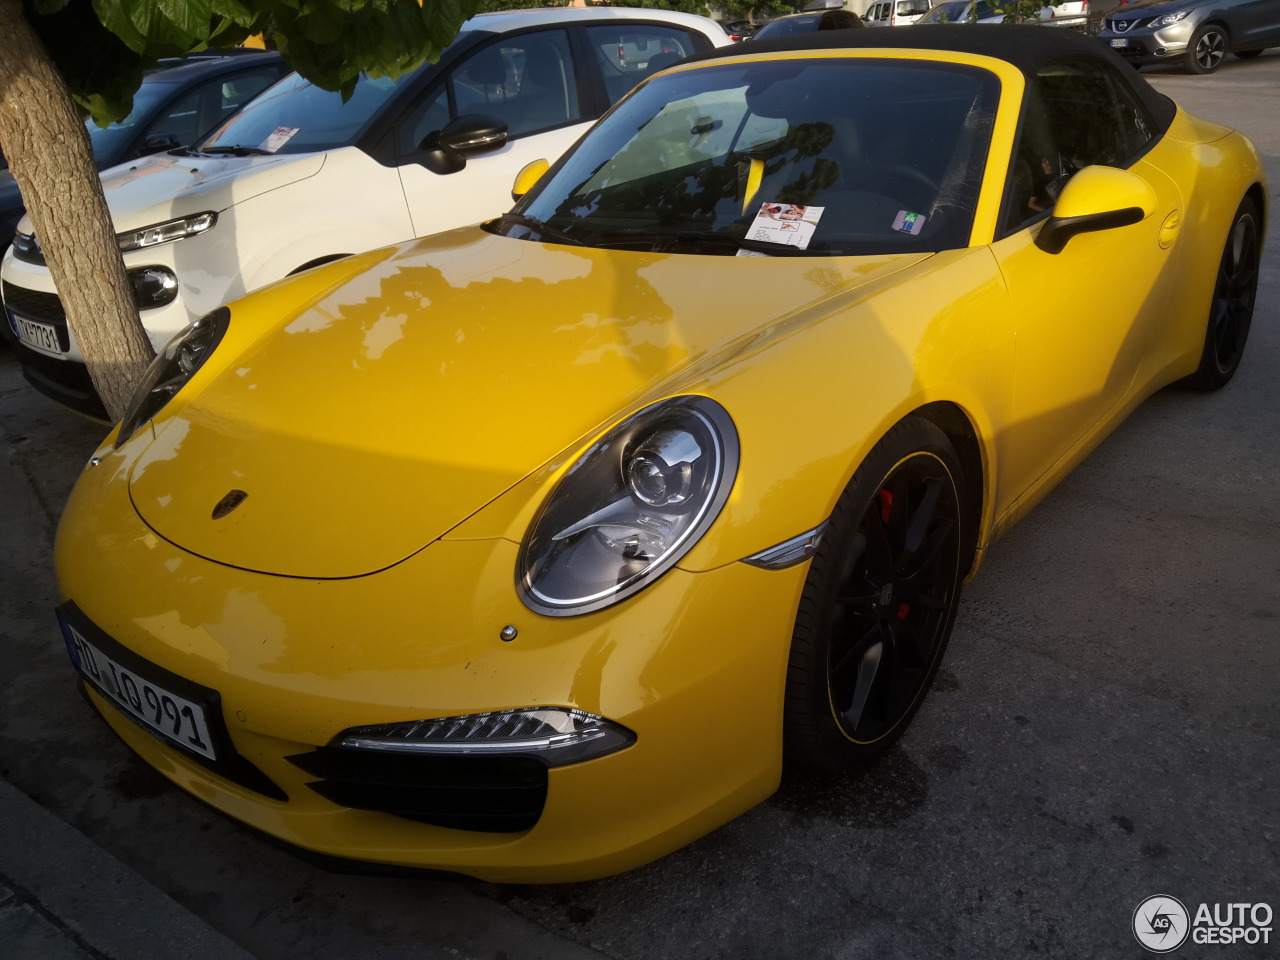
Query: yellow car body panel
[(370, 573), (696, 672)]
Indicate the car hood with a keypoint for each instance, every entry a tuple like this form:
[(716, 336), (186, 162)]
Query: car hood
[(165, 186), (1146, 8), (432, 377)]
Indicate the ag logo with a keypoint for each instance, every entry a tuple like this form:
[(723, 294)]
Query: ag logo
[(1161, 924)]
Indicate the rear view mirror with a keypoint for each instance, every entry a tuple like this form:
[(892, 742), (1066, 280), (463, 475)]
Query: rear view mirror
[(1096, 198), (529, 175), (157, 143), (473, 134)]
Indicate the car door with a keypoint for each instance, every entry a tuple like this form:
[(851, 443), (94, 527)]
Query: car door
[(546, 88), (1086, 314), (1253, 23), (530, 82)]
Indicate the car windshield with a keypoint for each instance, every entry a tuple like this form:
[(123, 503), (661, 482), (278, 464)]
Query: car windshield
[(107, 140), (296, 116), (957, 10), (781, 27), (850, 155)]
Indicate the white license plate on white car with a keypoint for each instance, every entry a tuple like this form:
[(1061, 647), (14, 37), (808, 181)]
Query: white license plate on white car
[(174, 717), (1119, 43), (40, 336)]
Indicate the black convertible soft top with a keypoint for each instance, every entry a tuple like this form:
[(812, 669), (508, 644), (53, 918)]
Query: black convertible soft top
[(1027, 47)]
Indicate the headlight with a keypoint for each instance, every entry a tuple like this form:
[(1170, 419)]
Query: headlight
[(167, 232), (1169, 18), (173, 366), (632, 506)]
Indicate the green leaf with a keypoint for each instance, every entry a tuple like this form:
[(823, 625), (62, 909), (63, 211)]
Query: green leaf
[(191, 17)]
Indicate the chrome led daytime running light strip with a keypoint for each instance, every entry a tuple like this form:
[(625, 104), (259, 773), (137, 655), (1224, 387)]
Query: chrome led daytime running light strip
[(472, 746)]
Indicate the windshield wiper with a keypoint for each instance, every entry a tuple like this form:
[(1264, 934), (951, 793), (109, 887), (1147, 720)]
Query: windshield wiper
[(236, 151), (542, 228), (658, 242)]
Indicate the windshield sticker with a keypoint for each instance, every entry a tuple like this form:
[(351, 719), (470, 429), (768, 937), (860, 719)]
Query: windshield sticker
[(279, 137), (911, 223), (786, 223), (744, 252)]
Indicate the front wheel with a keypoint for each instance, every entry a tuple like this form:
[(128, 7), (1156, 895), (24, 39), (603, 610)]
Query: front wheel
[(1207, 48), (879, 601), (1231, 310)]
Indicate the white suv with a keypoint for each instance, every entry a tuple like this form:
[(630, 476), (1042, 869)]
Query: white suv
[(297, 178)]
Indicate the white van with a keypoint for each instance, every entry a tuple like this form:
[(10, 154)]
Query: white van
[(297, 177)]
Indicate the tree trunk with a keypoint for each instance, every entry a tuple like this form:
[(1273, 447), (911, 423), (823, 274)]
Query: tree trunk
[(49, 154)]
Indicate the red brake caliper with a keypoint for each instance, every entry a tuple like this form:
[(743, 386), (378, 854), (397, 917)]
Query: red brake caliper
[(886, 507)]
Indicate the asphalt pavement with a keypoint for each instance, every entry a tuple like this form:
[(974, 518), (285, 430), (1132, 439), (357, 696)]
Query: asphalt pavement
[(1104, 729)]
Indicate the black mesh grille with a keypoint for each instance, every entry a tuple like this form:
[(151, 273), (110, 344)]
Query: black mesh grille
[(491, 794), (45, 307)]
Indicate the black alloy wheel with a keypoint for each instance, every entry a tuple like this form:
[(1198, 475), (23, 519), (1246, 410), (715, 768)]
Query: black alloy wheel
[(1235, 290), (879, 601), (1206, 50)]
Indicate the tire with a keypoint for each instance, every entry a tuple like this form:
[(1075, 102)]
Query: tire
[(879, 602), (1246, 54), (1231, 310), (1206, 50)]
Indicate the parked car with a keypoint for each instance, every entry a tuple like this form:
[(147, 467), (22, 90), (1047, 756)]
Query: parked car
[(789, 24), (299, 177), (895, 13), (833, 17), (970, 11), (175, 104), (1197, 34), (530, 550), (738, 30)]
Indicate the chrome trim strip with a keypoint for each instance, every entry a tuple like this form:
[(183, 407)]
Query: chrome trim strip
[(790, 552)]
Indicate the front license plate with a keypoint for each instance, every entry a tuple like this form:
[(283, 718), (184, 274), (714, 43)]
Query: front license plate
[(172, 716), (1119, 43), (34, 334)]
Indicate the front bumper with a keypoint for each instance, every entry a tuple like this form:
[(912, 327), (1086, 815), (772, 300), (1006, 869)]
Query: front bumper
[(694, 666), (28, 288), (1142, 44)]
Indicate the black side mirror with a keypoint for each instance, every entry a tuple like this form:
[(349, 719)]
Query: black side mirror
[(473, 134), (158, 143)]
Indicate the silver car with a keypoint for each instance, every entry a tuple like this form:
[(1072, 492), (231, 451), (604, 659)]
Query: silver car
[(1198, 34)]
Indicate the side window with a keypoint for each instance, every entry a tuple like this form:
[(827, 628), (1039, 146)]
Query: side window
[(428, 115), (235, 91), (628, 53), (177, 125), (1139, 130), (1075, 115), (527, 81)]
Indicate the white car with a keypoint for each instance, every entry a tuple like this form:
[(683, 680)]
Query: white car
[(298, 178), (895, 13)]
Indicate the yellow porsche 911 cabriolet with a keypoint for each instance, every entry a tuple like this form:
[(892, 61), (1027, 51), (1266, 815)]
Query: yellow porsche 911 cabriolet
[(529, 550)]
